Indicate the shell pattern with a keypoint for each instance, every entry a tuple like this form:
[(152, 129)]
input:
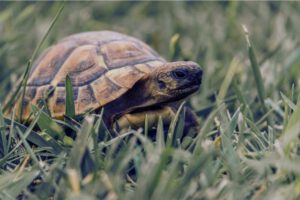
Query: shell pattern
[(102, 66)]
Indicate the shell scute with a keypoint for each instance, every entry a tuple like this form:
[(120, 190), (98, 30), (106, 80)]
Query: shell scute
[(47, 68), (118, 54), (81, 66), (87, 100), (106, 91)]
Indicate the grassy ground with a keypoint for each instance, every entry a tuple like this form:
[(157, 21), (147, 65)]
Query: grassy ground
[(248, 103)]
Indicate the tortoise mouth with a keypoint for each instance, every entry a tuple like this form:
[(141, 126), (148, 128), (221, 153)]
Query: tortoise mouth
[(184, 92), (178, 94), (190, 89)]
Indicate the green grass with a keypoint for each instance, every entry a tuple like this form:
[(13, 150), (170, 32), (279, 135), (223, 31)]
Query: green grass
[(248, 107)]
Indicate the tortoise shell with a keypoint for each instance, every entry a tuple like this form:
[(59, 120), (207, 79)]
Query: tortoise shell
[(102, 66)]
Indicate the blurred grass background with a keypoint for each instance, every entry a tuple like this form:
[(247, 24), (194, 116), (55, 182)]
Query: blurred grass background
[(211, 34)]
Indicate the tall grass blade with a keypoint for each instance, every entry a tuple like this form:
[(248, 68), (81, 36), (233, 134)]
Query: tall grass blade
[(35, 138), (47, 124), (171, 132), (174, 46), (288, 102), (160, 140), (29, 150), (80, 145), (178, 137), (256, 71), (25, 135), (3, 142), (230, 155), (11, 186), (29, 64), (235, 63), (240, 96), (206, 127), (295, 118), (146, 126), (70, 106)]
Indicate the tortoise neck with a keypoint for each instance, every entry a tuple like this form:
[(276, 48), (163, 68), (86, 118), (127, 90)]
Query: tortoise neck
[(137, 97)]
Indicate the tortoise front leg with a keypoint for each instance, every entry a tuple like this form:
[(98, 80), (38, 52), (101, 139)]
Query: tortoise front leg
[(137, 120)]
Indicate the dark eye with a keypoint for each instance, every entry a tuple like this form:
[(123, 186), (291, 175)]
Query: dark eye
[(161, 84), (179, 73)]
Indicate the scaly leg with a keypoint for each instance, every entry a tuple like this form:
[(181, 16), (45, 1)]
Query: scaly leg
[(137, 120)]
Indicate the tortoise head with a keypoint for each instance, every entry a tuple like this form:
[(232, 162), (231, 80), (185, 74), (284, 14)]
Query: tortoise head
[(168, 83), (175, 81)]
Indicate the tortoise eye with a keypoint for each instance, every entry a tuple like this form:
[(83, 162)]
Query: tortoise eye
[(179, 74), (161, 84)]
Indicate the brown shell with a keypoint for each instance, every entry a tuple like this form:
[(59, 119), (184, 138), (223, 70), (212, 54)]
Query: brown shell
[(102, 66)]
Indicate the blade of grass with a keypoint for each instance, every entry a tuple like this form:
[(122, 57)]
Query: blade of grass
[(289, 106), (288, 101), (205, 128), (26, 134), (118, 138), (290, 135), (11, 187), (80, 144), (36, 139), (275, 106), (47, 124), (29, 150), (29, 65), (70, 106), (230, 155), (235, 63), (146, 126), (174, 46), (125, 155), (171, 132), (246, 108), (11, 132), (256, 72), (179, 130), (4, 145), (192, 172), (95, 141), (160, 140), (148, 186), (294, 119)]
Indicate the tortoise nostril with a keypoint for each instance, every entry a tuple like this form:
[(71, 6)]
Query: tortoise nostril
[(199, 73), (198, 77), (179, 74)]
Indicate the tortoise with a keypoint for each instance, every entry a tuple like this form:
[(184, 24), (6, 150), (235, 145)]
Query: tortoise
[(113, 71)]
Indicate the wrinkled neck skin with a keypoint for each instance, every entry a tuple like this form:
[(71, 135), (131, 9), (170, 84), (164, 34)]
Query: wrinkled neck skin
[(138, 97)]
